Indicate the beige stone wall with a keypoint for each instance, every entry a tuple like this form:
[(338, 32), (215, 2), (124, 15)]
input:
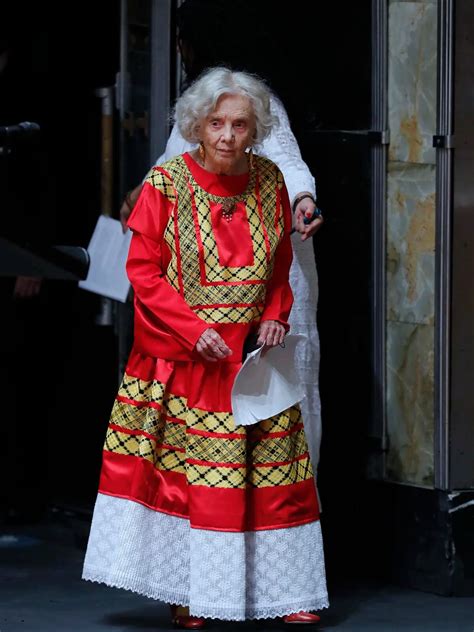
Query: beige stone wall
[(411, 240)]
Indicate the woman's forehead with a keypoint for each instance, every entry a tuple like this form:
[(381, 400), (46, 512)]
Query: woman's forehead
[(233, 105)]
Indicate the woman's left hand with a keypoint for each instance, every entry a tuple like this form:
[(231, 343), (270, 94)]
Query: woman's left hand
[(127, 205), (306, 206), (27, 287), (271, 333)]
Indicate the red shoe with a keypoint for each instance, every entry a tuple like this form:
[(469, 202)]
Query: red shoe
[(185, 621), (301, 617)]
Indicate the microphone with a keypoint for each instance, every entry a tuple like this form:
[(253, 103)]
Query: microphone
[(22, 130)]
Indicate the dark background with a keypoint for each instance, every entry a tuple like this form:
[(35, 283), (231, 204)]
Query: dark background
[(59, 369)]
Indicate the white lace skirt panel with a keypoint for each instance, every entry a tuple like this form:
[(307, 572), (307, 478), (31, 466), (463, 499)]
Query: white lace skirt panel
[(304, 283), (231, 576)]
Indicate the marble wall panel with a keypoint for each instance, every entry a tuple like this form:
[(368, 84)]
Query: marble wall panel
[(414, 1), (412, 81), (410, 415), (410, 265), (411, 243)]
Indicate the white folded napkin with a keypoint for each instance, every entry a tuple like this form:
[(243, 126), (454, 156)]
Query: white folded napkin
[(267, 385)]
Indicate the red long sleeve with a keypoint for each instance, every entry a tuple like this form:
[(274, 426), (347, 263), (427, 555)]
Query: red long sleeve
[(165, 325), (279, 297)]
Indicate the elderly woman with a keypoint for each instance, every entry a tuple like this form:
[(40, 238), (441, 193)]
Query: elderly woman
[(192, 509), (206, 38)]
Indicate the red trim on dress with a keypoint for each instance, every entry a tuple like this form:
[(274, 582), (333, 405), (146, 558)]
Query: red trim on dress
[(155, 405), (250, 436), (215, 435), (253, 509), (226, 305), (257, 435), (278, 212), (213, 508), (202, 265), (142, 433), (174, 215), (137, 479), (176, 245), (252, 282), (232, 466), (262, 222), (237, 465), (197, 231)]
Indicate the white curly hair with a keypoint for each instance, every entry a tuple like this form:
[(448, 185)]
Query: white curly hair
[(201, 98)]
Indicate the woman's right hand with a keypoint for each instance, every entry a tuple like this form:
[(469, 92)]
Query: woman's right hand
[(211, 346)]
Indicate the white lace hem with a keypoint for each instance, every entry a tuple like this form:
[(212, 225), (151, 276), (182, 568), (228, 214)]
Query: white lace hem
[(203, 610), (222, 575), (135, 585), (273, 612)]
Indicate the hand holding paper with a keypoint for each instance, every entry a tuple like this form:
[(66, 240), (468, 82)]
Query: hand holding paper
[(267, 384)]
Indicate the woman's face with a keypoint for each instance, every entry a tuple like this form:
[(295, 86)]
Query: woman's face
[(227, 132)]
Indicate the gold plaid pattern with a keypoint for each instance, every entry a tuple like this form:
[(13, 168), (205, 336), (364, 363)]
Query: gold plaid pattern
[(162, 182), (215, 273), (148, 420), (225, 456), (153, 392), (207, 421), (231, 314), (175, 406), (172, 273), (210, 476), (145, 448), (206, 298), (135, 418), (217, 450), (280, 423), (140, 390), (255, 476), (295, 472), (166, 186), (278, 450)]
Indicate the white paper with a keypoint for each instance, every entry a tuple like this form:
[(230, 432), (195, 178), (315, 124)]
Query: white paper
[(266, 385), (108, 251)]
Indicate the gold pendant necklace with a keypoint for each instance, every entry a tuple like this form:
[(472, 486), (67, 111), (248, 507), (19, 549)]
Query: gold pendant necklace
[(228, 204), (228, 209)]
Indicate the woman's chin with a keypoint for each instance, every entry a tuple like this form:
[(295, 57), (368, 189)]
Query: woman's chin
[(227, 163), (227, 159)]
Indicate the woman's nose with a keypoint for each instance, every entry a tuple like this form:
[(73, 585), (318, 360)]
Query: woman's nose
[(228, 133)]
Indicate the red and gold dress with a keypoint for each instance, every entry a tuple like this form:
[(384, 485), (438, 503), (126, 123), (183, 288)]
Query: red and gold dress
[(191, 508)]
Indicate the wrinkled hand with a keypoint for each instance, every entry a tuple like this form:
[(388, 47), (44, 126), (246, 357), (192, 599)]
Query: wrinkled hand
[(125, 211), (211, 346), (27, 287), (306, 208), (271, 333), (127, 206)]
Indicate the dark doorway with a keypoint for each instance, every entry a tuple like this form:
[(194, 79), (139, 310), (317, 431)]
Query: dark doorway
[(57, 366)]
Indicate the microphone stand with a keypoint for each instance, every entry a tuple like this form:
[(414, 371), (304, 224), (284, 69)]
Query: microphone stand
[(105, 315)]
